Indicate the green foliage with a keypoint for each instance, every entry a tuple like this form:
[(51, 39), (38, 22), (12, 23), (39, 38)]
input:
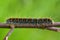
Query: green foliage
[(30, 9)]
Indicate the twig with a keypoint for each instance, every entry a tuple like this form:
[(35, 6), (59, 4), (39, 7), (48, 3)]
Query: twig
[(53, 29), (45, 26), (9, 33)]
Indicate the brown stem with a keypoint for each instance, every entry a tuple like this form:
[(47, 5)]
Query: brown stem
[(9, 33), (3, 25), (53, 29)]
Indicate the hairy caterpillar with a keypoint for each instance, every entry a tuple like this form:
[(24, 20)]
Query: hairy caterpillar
[(29, 21)]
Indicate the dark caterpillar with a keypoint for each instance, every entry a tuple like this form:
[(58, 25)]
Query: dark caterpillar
[(29, 21)]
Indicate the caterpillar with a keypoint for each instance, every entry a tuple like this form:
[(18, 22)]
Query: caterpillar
[(29, 21)]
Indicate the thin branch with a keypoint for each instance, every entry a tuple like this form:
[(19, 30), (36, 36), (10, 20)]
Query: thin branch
[(45, 26), (53, 29), (9, 33)]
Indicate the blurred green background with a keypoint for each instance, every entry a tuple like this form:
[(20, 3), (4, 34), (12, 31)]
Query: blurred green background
[(30, 9)]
